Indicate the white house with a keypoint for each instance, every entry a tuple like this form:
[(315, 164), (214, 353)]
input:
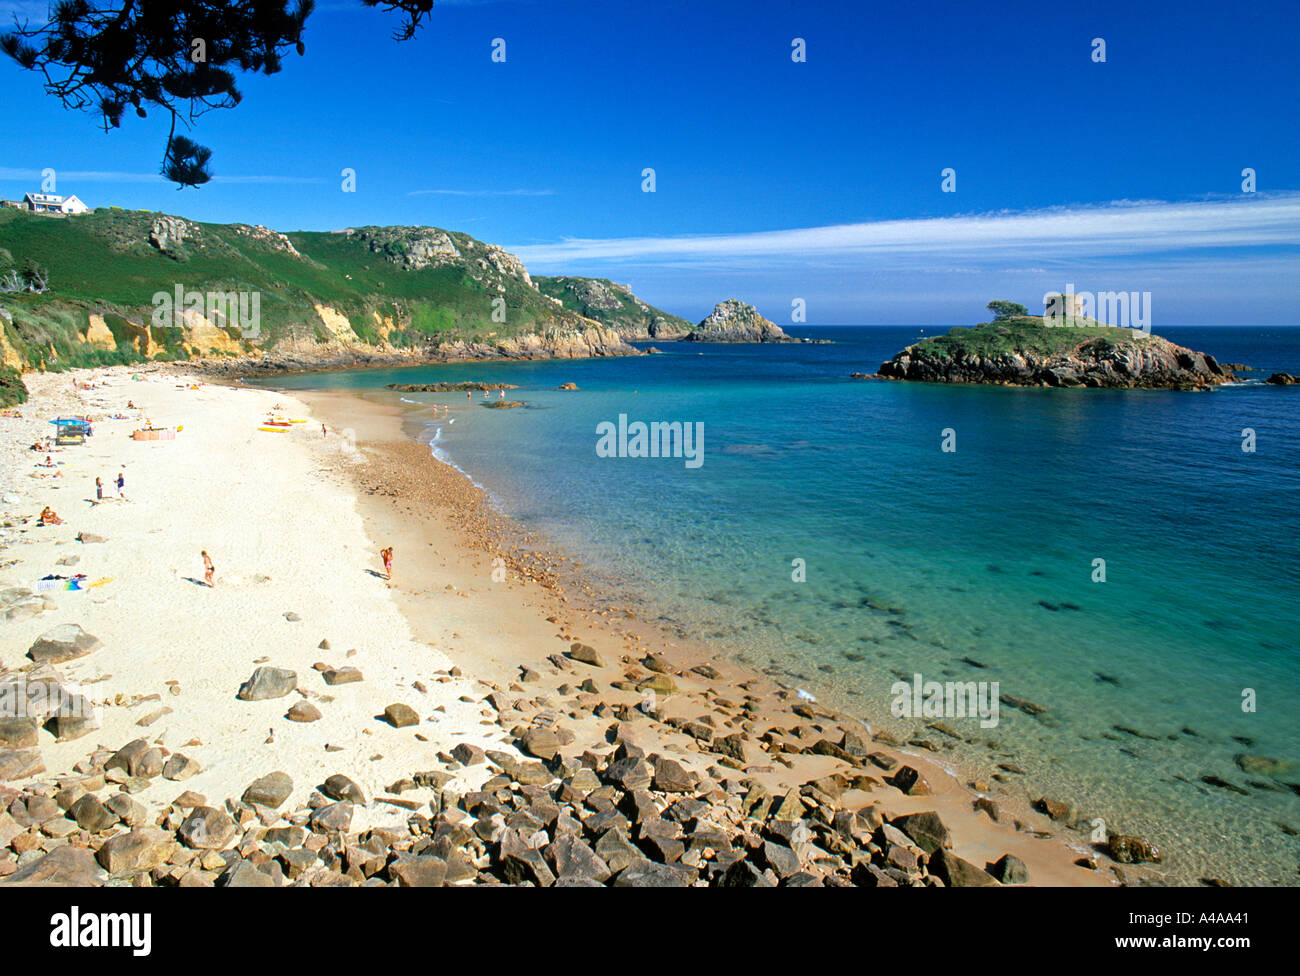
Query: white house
[(49, 203)]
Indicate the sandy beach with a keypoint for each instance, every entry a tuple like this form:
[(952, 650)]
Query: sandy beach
[(478, 634)]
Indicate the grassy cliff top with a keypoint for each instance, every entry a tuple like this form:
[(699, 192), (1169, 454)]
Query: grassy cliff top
[(404, 286), (1024, 334)]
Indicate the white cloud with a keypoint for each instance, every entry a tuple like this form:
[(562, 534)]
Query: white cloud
[(1067, 233)]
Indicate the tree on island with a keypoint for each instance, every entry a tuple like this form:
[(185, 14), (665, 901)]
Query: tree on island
[(1003, 310), (180, 57)]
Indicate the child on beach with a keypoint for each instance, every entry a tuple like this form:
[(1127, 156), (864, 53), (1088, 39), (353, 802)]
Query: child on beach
[(121, 485), (387, 556), (99, 490), (208, 568)]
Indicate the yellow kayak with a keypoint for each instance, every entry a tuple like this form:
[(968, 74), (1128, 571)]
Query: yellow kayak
[(275, 430)]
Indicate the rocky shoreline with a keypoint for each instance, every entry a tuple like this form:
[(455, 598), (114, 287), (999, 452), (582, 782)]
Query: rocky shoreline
[(620, 815), (1123, 362)]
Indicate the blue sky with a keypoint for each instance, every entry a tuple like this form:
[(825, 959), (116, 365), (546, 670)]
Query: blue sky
[(775, 180)]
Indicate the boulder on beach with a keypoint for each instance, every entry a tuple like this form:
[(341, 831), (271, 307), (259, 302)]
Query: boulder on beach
[(343, 789), (63, 867), (18, 733), (303, 712), (180, 767), (66, 642), (74, 715), (268, 683), (400, 716), (926, 829), (207, 829), (1009, 869), (20, 763), (270, 790), (341, 676), (1127, 849), (957, 872), (586, 654), (141, 849)]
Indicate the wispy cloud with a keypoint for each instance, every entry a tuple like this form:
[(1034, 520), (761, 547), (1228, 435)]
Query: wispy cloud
[(482, 193), (1108, 230), (106, 176)]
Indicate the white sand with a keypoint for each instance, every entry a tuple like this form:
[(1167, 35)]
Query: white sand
[(283, 531)]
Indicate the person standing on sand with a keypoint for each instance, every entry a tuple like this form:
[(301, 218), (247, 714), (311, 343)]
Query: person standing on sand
[(99, 490), (208, 568), (323, 432), (387, 556), (121, 485)]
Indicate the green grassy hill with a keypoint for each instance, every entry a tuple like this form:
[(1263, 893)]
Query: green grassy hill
[(1020, 334), (390, 288), (614, 305)]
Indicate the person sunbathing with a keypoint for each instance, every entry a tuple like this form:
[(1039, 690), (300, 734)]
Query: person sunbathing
[(49, 517)]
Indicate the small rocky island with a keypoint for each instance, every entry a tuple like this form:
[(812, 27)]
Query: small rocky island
[(1031, 350), (736, 321)]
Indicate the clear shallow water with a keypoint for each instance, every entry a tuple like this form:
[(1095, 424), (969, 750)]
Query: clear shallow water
[(917, 559)]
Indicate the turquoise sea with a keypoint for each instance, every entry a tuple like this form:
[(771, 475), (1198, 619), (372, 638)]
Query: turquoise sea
[(973, 565)]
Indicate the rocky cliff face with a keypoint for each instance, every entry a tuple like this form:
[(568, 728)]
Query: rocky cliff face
[(735, 321), (551, 343), (1149, 362), (613, 305), (290, 356)]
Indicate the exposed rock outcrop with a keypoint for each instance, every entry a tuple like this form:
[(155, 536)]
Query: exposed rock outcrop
[(614, 305), (550, 343), (169, 233), (273, 239), (735, 321), (1129, 360), (449, 387)]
